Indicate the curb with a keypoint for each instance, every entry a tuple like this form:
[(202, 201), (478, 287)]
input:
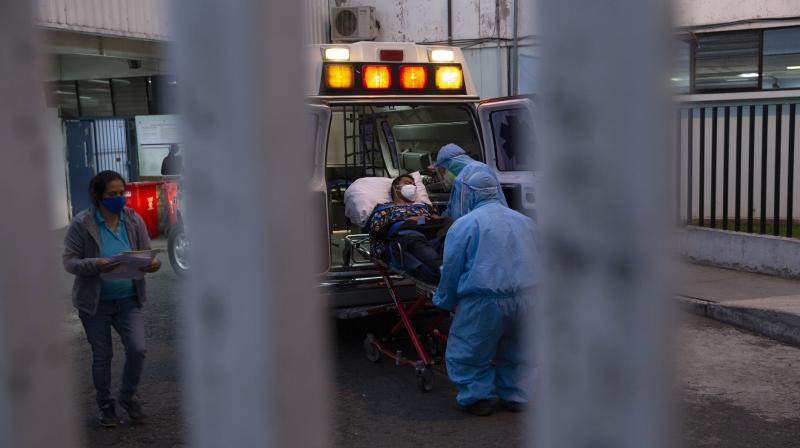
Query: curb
[(783, 327)]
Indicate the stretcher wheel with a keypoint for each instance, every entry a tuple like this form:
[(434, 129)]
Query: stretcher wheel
[(425, 379), (370, 349)]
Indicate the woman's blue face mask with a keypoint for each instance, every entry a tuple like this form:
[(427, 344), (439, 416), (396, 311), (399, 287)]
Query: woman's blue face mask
[(115, 204)]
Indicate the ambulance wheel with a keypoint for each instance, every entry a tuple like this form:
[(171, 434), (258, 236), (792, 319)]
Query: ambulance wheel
[(178, 249), (425, 379), (370, 349)]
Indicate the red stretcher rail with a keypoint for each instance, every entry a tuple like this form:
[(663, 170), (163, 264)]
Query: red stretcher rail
[(436, 339)]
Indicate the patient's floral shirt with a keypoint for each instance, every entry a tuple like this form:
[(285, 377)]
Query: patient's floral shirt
[(384, 215)]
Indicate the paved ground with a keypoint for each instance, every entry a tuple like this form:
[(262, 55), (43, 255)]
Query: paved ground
[(767, 305), (727, 285), (737, 390), (160, 386)]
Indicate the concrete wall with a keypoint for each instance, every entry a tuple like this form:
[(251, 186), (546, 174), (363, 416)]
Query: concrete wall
[(705, 12), (426, 20), (762, 254)]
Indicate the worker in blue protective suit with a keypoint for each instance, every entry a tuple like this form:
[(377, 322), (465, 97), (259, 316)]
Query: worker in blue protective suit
[(489, 273), (453, 165)]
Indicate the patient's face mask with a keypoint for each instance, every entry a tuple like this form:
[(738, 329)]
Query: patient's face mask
[(409, 192)]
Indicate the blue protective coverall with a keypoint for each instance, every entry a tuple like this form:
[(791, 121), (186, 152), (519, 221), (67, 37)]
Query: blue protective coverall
[(459, 165), (489, 273)]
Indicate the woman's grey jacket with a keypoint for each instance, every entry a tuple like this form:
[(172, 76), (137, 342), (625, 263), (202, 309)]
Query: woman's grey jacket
[(82, 249)]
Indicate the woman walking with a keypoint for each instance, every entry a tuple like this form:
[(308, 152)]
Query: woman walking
[(100, 232)]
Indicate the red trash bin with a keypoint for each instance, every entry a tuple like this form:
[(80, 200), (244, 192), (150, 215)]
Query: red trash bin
[(143, 197)]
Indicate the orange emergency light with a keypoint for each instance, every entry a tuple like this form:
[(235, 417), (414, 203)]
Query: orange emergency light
[(377, 76), (413, 77), (449, 77), (339, 76)]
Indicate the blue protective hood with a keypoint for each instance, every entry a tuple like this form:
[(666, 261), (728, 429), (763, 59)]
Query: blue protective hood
[(481, 186), (453, 158)]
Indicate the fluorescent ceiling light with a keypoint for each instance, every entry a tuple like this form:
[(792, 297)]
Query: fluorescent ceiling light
[(793, 67), (748, 75), (675, 79)]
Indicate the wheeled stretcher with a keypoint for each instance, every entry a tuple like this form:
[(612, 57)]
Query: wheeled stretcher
[(426, 338)]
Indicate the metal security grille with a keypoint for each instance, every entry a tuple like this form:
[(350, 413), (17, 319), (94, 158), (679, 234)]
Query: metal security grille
[(737, 167), (112, 148)]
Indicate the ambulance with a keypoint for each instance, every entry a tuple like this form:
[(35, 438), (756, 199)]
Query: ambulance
[(384, 109)]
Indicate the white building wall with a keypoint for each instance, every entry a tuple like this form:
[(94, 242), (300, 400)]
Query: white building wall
[(141, 19), (690, 13), (426, 20)]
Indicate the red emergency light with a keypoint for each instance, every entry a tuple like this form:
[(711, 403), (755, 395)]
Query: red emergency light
[(377, 76), (413, 77)]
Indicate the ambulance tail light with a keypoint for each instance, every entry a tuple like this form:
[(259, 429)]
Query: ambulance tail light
[(413, 77), (376, 76), (339, 76), (449, 77)]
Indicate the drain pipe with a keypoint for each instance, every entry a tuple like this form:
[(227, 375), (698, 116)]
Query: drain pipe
[(515, 52), (449, 22)]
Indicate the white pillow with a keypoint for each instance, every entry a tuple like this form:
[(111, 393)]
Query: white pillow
[(364, 194)]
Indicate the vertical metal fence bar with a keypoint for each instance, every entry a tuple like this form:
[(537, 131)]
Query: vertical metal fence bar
[(714, 126), (102, 144), (254, 364), (678, 154), (762, 225), (751, 168), (600, 319), (689, 164), (737, 220), (36, 389), (776, 200), (790, 174), (725, 167), (702, 177)]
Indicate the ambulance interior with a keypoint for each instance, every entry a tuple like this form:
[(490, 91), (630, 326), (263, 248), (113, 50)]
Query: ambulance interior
[(389, 140)]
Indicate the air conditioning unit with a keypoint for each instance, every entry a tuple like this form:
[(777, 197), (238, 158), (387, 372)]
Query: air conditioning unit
[(353, 24)]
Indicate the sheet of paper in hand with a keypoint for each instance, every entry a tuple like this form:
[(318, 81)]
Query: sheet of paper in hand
[(130, 264)]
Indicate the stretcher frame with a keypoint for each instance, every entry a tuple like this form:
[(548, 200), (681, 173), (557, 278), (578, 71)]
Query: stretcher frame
[(426, 357)]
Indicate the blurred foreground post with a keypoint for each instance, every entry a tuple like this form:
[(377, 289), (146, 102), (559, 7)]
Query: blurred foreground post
[(36, 402), (602, 327), (253, 326)]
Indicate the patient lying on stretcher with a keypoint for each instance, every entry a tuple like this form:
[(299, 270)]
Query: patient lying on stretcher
[(415, 226)]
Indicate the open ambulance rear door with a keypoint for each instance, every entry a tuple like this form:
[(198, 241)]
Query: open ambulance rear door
[(320, 118), (509, 139)]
